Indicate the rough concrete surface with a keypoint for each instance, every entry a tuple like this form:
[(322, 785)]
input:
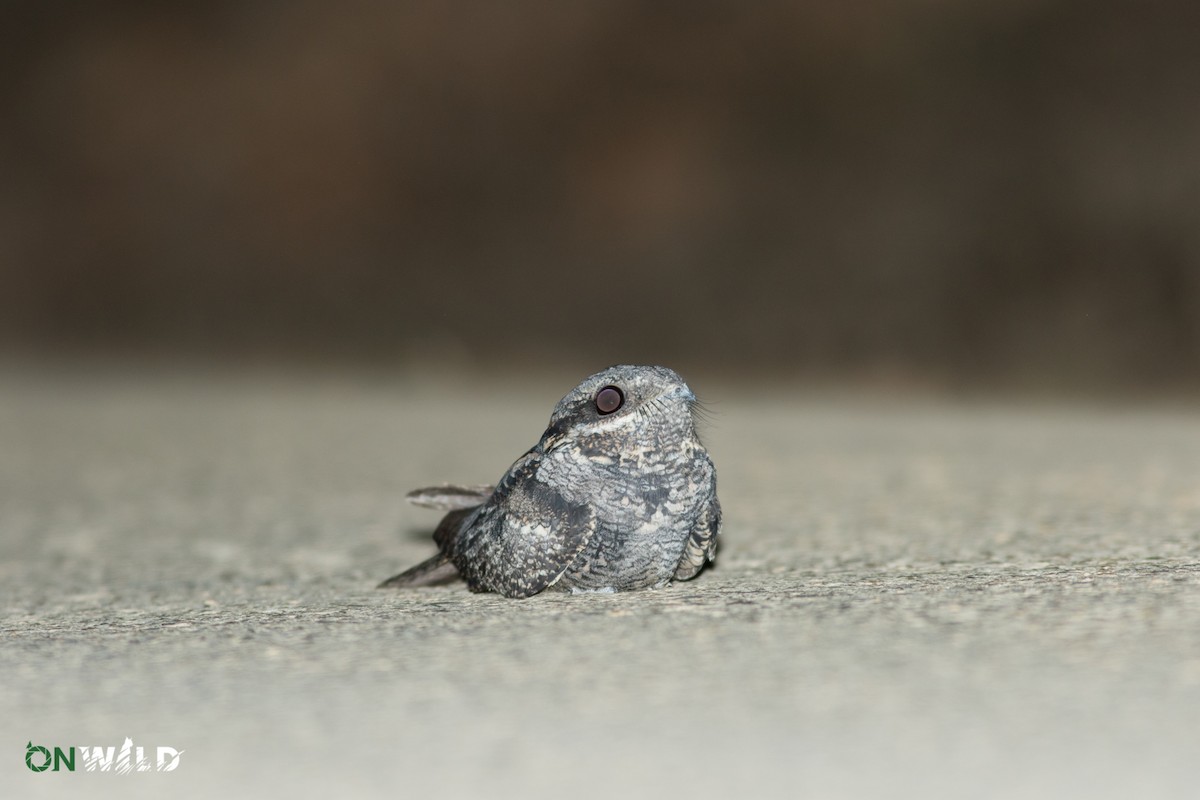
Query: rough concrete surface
[(913, 599)]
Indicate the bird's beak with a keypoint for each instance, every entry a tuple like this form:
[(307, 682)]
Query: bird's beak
[(684, 392)]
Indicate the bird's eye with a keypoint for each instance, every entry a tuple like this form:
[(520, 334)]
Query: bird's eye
[(609, 399)]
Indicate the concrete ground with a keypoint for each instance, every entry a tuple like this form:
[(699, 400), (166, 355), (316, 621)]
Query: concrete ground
[(913, 599)]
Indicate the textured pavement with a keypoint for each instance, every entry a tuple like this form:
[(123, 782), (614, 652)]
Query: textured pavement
[(914, 598)]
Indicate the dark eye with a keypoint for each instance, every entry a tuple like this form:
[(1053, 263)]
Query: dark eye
[(609, 399)]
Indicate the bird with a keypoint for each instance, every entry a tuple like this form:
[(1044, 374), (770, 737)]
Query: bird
[(619, 494)]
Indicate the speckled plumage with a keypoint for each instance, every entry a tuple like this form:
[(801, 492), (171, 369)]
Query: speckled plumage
[(603, 502)]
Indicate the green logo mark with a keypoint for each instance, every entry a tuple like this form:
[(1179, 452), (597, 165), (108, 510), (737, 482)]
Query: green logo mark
[(35, 752)]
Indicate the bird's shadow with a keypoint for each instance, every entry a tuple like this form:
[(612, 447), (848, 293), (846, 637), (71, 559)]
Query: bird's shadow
[(417, 533)]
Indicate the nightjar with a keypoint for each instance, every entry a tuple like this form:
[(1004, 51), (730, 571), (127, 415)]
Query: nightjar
[(618, 494)]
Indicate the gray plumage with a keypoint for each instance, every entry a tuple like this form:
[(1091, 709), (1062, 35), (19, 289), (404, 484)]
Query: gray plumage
[(610, 499)]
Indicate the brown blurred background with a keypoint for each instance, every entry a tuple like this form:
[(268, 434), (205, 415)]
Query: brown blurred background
[(994, 192)]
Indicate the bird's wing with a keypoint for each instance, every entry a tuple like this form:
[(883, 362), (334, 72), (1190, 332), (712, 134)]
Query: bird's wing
[(702, 542), (524, 538), (428, 573), (438, 569)]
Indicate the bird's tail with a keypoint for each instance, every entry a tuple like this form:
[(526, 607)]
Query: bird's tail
[(438, 569)]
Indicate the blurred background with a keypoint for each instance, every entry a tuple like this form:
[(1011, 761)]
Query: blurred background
[(992, 193)]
